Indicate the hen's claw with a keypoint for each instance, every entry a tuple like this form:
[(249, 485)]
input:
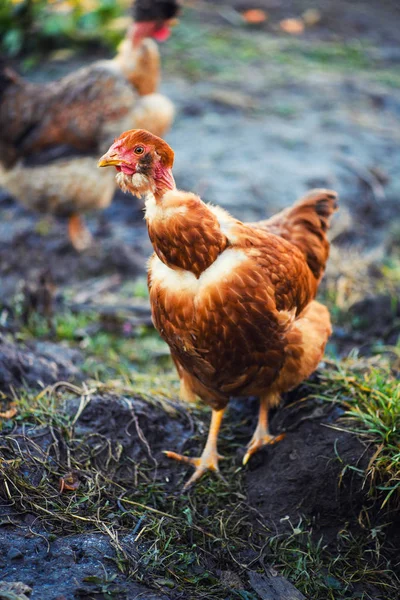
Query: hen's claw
[(208, 461), (258, 441)]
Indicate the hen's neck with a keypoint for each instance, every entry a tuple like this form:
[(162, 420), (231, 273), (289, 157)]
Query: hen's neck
[(184, 232), (163, 181)]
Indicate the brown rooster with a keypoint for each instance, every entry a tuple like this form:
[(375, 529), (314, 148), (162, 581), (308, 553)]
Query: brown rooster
[(82, 112), (234, 301)]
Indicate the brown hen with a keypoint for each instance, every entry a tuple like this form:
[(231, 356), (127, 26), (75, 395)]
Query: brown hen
[(234, 301), (82, 112)]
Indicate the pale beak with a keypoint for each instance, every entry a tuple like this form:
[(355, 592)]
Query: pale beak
[(110, 159)]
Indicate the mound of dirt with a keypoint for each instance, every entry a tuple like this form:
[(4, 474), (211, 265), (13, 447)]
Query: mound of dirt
[(315, 471), (43, 364), (308, 473), (141, 430)]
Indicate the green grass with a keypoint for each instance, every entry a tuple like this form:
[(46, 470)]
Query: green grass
[(175, 535), (183, 537), (337, 572), (331, 55), (372, 399)]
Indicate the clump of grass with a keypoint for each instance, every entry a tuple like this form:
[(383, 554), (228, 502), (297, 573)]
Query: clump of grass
[(110, 350), (67, 326), (310, 565), (372, 399)]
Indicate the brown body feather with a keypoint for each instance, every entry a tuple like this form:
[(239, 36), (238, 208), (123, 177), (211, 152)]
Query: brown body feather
[(245, 330)]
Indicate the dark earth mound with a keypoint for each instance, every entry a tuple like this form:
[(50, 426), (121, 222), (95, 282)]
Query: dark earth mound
[(141, 430), (40, 364), (113, 434), (299, 476)]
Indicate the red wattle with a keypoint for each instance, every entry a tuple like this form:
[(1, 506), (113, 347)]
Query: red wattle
[(128, 170), (162, 34), (153, 29)]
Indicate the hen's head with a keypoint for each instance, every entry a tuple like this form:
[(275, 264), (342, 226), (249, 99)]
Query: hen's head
[(158, 30), (153, 19), (143, 161)]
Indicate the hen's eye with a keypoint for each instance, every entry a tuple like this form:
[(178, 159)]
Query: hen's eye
[(139, 150)]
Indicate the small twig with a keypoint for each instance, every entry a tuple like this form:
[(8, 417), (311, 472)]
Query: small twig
[(141, 435), (41, 536), (71, 387), (55, 445)]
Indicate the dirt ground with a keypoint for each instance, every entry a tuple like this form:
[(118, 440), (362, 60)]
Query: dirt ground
[(261, 118)]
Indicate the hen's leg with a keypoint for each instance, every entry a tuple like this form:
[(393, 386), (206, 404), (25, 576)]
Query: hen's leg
[(262, 436), (186, 392), (78, 233), (208, 461)]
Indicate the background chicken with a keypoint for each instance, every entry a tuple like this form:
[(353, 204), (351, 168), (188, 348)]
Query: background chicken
[(234, 301), (80, 113)]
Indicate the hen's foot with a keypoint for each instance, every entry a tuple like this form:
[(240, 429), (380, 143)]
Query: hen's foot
[(208, 461), (258, 441)]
